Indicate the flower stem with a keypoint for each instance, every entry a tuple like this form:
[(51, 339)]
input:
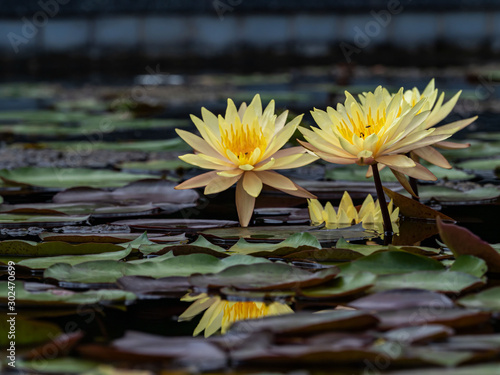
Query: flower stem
[(388, 232), (414, 187)]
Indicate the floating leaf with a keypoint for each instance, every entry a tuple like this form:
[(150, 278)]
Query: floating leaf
[(43, 221), (448, 195), (58, 296), (399, 299), (296, 241), (176, 225), (263, 277), (463, 242), (68, 177), (46, 262), (155, 165), (392, 262), (200, 246), (480, 165), (488, 299), (346, 284), (470, 264), (67, 365), (438, 281), (165, 266), (307, 323)]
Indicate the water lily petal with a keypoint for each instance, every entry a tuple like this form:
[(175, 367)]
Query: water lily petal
[(276, 180), (446, 145), (198, 143), (244, 204), (418, 172), (404, 182), (220, 184), (432, 156), (198, 181), (401, 161), (252, 184), (205, 161)]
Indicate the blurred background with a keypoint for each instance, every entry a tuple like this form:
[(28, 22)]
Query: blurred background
[(300, 53)]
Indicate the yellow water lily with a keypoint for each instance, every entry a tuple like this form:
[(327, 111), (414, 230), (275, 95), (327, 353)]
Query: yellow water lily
[(369, 214), (220, 314), (439, 111), (243, 147), (379, 129)]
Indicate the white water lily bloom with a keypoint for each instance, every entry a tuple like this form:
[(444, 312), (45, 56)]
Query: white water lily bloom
[(243, 147), (221, 314)]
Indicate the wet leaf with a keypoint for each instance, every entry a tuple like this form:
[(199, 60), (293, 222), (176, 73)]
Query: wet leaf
[(68, 177), (488, 299), (392, 262), (463, 242), (345, 285), (174, 144), (480, 369), (263, 277), (438, 281), (411, 208), (402, 299), (155, 165), (142, 285), (114, 238)]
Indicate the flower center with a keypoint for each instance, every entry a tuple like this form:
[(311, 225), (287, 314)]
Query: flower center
[(363, 127), (243, 140)]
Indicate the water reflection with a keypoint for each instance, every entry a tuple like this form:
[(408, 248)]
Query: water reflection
[(219, 313)]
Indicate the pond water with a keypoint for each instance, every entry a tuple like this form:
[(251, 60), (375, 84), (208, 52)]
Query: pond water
[(88, 173)]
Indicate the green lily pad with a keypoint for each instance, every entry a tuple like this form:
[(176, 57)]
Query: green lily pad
[(448, 195), (488, 299), (46, 262), (346, 284), (267, 276), (470, 264), (480, 165), (174, 144), (438, 281), (155, 165), (200, 246), (107, 271), (294, 242), (392, 262), (58, 296), (476, 150), (68, 177)]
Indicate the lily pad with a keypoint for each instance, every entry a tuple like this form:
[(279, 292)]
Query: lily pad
[(488, 299), (46, 262), (68, 177), (267, 276), (438, 281), (346, 284), (155, 165), (392, 262), (107, 271), (449, 195), (41, 220), (61, 297), (480, 165), (470, 264), (67, 365), (296, 241)]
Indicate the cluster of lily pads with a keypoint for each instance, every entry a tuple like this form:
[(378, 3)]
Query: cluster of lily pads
[(106, 295)]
